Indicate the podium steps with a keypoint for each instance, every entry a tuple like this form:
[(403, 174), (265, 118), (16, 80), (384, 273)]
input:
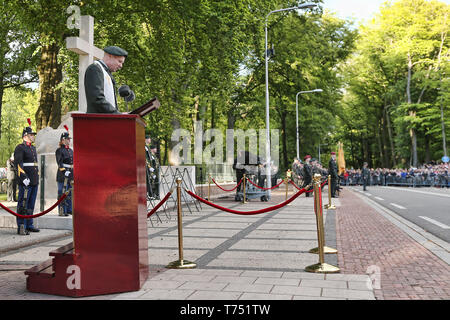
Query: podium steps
[(51, 276)]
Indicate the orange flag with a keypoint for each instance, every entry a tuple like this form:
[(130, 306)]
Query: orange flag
[(341, 158)]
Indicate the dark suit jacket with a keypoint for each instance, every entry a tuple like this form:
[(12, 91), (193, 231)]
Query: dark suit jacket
[(94, 87)]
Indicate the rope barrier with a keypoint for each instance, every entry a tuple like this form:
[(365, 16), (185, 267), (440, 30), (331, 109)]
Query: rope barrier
[(253, 212), (149, 214), (38, 214), (265, 188), (298, 188), (240, 181)]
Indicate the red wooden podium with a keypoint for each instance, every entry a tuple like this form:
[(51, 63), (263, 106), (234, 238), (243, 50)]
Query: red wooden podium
[(109, 253)]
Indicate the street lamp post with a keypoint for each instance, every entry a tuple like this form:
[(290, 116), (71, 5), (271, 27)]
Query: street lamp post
[(296, 116), (268, 169)]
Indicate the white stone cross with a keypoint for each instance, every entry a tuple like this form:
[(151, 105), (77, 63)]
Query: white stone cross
[(84, 46)]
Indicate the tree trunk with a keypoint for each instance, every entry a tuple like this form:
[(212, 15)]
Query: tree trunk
[(166, 150), (412, 131), (50, 77), (382, 161), (391, 140), (427, 149), (1, 104), (231, 119)]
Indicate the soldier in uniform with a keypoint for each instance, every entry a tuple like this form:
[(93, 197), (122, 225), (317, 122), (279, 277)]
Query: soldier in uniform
[(307, 173), (99, 83), (333, 172), (365, 175), (154, 172), (25, 159), (148, 172), (64, 175)]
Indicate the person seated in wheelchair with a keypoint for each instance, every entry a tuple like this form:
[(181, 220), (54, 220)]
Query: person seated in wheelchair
[(245, 163)]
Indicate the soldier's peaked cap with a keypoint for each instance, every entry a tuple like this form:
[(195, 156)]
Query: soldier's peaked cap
[(28, 130), (116, 51)]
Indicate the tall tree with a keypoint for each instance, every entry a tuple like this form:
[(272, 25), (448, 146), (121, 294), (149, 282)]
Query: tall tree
[(17, 62)]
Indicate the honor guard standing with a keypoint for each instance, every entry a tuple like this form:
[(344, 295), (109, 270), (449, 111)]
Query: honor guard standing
[(148, 141), (99, 83), (64, 176), (154, 172), (307, 173), (25, 159), (365, 175), (333, 172)]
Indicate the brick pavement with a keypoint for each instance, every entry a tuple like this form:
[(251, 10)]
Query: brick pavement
[(366, 239), (238, 257), (263, 256)]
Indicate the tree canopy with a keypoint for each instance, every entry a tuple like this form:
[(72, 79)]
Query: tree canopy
[(385, 85)]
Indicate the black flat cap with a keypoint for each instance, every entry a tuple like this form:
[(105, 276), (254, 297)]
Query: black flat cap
[(116, 51)]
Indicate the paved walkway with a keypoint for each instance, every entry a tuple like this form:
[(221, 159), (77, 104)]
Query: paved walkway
[(260, 256), (369, 242)]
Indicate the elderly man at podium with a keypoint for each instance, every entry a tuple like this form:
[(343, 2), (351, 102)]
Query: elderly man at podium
[(99, 83)]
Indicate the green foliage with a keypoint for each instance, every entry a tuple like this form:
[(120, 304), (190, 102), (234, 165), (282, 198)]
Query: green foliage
[(17, 106), (204, 60), (397, 76)]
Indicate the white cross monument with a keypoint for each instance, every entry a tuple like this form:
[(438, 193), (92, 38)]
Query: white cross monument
[(84, 47)]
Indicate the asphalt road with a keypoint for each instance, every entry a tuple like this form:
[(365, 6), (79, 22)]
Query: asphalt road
[(428, 208)]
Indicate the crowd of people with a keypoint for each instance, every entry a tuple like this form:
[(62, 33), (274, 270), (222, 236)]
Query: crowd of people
[(427, 175)]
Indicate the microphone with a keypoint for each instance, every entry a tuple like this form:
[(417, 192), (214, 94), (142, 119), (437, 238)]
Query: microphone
[(126, 93)]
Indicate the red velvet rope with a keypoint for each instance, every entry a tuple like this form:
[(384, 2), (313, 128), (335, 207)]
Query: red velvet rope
[(292, 182), (240, 181), (275, 207), (159, 204), (264, 188), (38, 214)]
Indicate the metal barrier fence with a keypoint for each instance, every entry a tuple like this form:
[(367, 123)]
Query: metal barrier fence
[(439, 181)]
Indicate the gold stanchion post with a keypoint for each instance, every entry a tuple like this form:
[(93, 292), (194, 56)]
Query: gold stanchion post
[(320, 267), (209, 188), (243, 193), (287, 187), (329, 205), (180, 263)]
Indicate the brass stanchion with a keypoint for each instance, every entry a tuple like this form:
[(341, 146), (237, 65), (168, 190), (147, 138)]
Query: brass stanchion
[(286, 182), (180, 263), (209, 188), (329, 205), (320, 267), (243, 193)]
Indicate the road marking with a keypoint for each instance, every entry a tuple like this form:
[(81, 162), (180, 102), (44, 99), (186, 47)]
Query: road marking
[(443, 226), (378, 198), (398, 206), (417, 191), (368, 194)]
